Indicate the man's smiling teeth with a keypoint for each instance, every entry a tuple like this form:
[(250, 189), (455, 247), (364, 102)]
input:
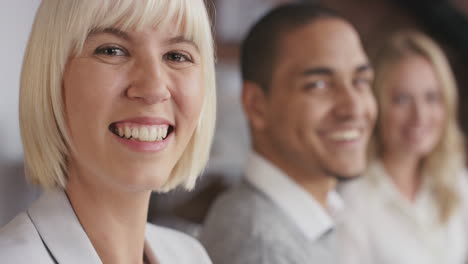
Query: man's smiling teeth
[(345, 135), (143, 133)]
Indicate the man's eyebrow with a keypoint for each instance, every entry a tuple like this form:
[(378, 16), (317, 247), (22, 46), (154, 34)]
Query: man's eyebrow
[(111, 30), (318, 71), (181, 39), (364, 68)]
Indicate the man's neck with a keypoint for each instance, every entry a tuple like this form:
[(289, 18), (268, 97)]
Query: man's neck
[(314, 182), (317, 186)]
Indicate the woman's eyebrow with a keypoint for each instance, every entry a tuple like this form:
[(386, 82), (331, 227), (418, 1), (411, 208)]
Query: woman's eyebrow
[(181, 39), (124, 35), (111, 30)]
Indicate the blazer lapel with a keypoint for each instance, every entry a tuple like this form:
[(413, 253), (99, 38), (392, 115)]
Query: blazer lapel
[(61, 230)]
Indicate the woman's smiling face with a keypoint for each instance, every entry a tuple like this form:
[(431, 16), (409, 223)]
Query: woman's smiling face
[(133, 101), (413, 118)]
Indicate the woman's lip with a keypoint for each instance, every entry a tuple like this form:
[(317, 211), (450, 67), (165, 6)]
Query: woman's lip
[(140, 146), (146, 121)]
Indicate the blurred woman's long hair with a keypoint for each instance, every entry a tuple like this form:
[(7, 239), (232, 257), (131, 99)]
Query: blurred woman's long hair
[(446, 161)]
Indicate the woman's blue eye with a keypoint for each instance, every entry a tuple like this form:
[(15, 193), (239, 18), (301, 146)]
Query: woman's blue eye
[(110, 51), (401, 99), (433, 97)]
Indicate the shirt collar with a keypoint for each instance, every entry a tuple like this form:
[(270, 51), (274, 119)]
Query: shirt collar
[(386, 189), (62, 233), (311, 218), (60, 229)]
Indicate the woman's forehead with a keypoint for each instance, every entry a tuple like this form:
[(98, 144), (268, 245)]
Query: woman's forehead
[(178, 23)]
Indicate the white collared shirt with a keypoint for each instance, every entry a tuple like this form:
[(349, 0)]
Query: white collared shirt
[(386, 228), (311, 218)]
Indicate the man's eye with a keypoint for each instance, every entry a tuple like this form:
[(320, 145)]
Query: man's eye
[(363, 81), (320, 84), (177, 57), (110, 51)]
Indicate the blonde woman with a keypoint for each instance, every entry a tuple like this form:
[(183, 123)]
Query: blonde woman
[(117, 100), (410, 207)]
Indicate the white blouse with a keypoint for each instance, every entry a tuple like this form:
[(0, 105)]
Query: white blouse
[(381, 226), (49, 232)]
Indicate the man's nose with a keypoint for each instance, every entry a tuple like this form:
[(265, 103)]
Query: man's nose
[(349, 102)]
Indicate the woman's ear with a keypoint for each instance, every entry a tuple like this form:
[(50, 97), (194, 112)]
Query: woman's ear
[(254, 101)]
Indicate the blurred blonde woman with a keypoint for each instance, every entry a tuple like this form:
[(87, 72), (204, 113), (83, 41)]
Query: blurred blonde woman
[(117, 100), (411, 205)]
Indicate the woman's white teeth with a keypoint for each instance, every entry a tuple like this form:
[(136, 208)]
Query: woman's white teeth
[(135, 132), (128, 132), (143, 133), (346, 135)]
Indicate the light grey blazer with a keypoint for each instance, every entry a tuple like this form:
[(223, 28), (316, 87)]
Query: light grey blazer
[(49, 232), (245, 227)]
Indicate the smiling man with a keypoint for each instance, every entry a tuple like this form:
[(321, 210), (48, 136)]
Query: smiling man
[(307, 96)]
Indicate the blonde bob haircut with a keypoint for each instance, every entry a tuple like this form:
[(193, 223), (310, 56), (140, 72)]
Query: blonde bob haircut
[(58, 33), (446, 161)]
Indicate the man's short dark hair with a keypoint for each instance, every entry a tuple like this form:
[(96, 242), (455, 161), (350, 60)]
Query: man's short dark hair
[(260, 48)]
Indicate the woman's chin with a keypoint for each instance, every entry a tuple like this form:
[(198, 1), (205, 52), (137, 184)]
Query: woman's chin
[(142, 181)]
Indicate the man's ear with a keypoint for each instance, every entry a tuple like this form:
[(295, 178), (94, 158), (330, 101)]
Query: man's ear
[(255, 102)]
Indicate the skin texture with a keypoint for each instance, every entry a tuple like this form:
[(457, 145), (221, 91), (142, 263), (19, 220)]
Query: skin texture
[(119, 76), (413, 117), (321, 90)]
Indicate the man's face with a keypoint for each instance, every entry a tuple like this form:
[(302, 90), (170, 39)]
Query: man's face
[(320, 111)]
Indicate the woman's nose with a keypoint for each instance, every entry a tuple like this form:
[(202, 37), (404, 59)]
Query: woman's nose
[(418, 112), (150, 82)]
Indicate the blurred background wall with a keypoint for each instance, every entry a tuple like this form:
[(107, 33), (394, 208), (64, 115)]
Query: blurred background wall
[(15, 21)]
